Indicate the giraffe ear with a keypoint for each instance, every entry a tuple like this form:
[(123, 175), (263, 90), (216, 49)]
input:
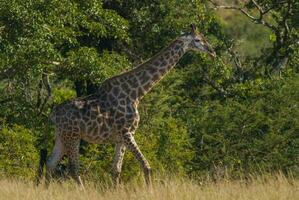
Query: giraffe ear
[(193, 28)]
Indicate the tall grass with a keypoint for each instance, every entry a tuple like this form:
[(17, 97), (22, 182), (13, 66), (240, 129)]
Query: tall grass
[(258, 188)]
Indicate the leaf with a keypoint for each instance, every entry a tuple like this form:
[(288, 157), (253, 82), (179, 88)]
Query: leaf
[(272, 37)]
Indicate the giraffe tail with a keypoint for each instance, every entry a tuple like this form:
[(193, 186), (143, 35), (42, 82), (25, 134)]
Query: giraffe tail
[(42, 161)]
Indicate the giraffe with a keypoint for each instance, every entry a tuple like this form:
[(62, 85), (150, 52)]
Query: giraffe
[(110, 115)]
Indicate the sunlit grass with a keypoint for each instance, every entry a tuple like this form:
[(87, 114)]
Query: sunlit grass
[(259, 188)]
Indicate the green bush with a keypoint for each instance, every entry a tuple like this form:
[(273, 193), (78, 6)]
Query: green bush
[(18, 156), (254, 134)]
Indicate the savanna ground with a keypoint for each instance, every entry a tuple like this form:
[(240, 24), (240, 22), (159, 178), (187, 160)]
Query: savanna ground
[(255, 188)]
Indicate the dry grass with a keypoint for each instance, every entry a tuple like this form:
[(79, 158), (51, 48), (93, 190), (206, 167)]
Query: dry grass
[(272, 188)]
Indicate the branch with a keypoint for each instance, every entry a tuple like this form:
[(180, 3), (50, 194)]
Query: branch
[(235, 57), (220, 90), (261, 10), (39, 91), (56, 63), (258, 20), (46, 82), (277, 4), (285, 18), (12, 71)]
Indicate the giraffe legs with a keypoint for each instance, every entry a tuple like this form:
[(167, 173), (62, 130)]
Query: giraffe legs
[(72, 150), (133, 147), (58, 152), (117, 162)]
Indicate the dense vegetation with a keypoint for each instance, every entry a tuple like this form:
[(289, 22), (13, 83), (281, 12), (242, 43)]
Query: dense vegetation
[(237, 114)]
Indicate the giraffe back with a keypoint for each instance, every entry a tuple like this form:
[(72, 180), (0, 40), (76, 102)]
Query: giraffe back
[(96, 118)]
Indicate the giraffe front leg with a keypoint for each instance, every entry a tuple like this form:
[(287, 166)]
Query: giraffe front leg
[(117, 162), (72, 148), (131, 144)]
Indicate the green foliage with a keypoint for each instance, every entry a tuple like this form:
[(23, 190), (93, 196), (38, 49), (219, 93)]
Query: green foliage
[(62, 94), (206, 116), (86, 63), (255, 133), (96, 161), (18, 157)]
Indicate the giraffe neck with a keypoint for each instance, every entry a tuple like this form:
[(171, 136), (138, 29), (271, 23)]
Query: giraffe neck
[(140, 80)]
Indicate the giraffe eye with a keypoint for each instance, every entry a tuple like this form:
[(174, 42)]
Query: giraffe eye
[(197, 40)]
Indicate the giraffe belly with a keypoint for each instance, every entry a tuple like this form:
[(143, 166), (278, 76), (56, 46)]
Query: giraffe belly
[(108, 127), (99, 139), (94, 139), (98, 131)]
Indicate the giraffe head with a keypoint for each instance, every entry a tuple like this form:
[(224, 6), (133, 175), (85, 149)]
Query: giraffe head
[(196, 41)]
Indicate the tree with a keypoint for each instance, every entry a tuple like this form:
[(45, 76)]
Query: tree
[(229, 113), (281, 19)]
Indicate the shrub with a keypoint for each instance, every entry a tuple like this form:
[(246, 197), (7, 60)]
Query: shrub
[(18, 156)]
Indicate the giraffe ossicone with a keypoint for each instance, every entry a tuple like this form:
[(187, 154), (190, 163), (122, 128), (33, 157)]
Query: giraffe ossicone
[(111, 115)]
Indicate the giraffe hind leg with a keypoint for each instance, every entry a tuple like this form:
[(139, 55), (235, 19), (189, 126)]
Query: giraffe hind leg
[(133, 147), (72, 150), (117, 162), (54, 159), (43, 159)]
